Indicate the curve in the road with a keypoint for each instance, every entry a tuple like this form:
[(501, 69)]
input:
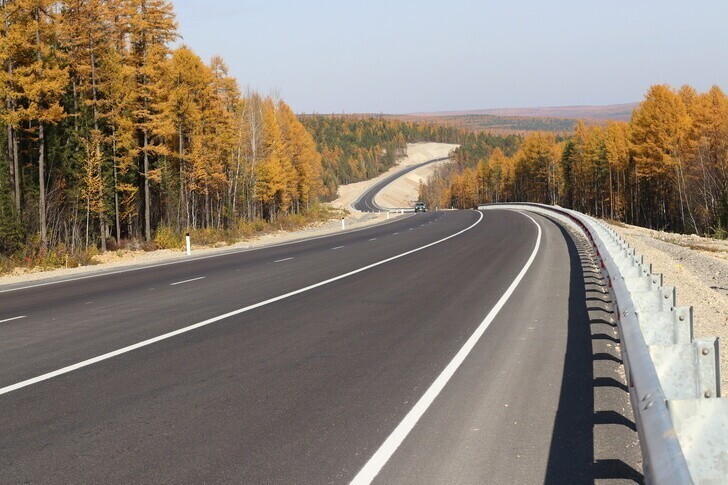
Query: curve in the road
[(308, 387), (366, 203)]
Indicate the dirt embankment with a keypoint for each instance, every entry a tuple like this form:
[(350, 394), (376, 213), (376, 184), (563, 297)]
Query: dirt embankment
[(403, 188), (404, 191), (698, 268)]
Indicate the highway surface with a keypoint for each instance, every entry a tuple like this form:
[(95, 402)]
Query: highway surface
[(438, 348), (365, 202)]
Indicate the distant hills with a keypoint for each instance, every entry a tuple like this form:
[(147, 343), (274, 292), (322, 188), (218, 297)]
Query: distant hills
[(620, 112), (558, 119)]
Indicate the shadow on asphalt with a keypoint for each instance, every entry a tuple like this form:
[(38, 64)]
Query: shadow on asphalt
[(594, 436)]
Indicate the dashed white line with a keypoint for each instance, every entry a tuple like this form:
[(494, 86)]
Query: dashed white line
[(281, 260), (187, 281), (394, 234), (373, 239), (11, 319), (179, 261), (337, 247), (189, 328), (372, 468)]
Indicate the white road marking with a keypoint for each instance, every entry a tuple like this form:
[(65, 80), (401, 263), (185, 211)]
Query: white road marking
[(187, 281), (411, 228), (144, 343), (11, 319), (337, 247), (394, 234), (281, 260), (373, 239), (375, 464), (196, 258)]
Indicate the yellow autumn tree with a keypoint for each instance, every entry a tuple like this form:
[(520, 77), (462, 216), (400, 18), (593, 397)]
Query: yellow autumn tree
[(40, 78), (272, 181), (658, 128), (151, 28), (705, 175), (616, 151), (300, 149)]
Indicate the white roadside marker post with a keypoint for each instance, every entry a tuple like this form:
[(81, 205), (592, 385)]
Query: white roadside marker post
[(343, 223), (387, 215), (188, 244)]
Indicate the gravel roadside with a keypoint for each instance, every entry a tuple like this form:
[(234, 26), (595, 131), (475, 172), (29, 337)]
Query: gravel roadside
[(698, 268)]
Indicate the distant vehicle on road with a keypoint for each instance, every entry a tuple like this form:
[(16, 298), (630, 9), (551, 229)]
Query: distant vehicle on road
[(420, 207)]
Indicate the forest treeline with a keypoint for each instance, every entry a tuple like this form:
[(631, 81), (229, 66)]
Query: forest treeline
[(355, 148), (109, 132), (667, 168)]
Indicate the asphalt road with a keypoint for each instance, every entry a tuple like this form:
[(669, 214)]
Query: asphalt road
[(295, 363), (365, 202)]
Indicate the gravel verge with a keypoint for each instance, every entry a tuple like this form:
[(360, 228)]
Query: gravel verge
[(698, 268)]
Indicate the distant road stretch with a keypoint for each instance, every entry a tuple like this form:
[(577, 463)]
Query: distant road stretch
[(365, 202)]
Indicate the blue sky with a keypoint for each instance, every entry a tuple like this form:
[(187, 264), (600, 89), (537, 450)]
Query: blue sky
[(407, 56)]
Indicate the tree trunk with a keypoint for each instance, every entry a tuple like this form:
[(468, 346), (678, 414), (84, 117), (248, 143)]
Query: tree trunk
[(102, 210), (42, 194), (147, 195), (116, 189), (88, 218), (182, 189), (13, 171)]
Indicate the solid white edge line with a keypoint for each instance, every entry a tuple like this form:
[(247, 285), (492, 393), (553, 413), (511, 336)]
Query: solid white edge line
[(380, 458), (144, 343), (11, 319), (281, 260), (187, 281)]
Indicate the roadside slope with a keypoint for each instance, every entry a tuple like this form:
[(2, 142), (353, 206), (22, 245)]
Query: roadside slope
[(416, 153), (404, 191)]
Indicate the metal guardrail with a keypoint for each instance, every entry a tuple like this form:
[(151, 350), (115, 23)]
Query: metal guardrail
[(674, 379)]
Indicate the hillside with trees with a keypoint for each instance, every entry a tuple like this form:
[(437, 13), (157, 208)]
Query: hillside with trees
[(355, 148), (497, 124), (667, 168), (110, 134)]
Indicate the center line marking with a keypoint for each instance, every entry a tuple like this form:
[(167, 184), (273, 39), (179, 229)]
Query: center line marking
[(395, 234), (187, 281), (337, 247), (11, 319), (373, 239), (281, 260), (209, 321), (380, 458)]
